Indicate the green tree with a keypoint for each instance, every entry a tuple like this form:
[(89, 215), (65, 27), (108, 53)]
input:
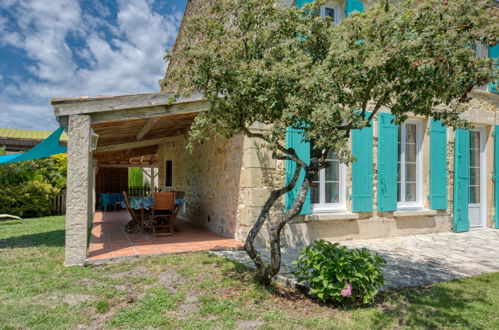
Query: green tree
[(135, 177), (257, 63)]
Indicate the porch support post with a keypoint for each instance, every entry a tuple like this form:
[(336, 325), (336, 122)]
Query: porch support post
[(79, 177)]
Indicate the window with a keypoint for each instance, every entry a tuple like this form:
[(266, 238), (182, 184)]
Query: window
[(481, 52), (328, 186), (474, 168), (169, 173), (331, 10), (409, 179)]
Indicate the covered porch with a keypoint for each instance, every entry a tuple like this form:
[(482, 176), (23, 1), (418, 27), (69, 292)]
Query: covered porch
[(110, 241), (111, 133)]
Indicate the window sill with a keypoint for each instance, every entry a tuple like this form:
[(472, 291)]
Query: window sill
[(414, 213), (332, 216)]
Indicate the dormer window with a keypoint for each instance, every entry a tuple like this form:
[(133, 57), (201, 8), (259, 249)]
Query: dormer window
[(331, 10)]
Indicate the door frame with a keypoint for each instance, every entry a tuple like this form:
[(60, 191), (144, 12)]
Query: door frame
[(483, 176)]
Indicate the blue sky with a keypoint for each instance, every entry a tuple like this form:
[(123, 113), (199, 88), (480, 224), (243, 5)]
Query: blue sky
[(62, 48)]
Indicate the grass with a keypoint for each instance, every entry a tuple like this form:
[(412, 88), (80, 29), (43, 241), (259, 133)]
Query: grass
[(197, 290)]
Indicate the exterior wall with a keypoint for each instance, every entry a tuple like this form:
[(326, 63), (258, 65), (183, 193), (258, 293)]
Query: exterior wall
[(260, 173), (209, 176)]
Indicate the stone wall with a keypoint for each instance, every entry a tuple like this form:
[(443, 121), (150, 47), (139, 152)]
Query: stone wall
[(260, 173), (209, 176), (227, 183)]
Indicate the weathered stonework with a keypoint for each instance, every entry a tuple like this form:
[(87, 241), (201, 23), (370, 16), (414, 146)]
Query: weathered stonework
[(79, 185), (305, 229), (209, 176)]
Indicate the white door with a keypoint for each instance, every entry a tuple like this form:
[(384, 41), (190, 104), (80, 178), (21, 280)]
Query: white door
[(476, 194)]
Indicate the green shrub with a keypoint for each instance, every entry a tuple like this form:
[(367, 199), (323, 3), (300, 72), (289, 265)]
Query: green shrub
[(51, 170), (29, 199), (336, 273), (135, 177)]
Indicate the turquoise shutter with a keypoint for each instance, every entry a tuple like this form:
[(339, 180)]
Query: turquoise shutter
[(301, 3), (496, 173), (387, 163), (461, 180), (294, 139), (362, 170), (438, 165), (494, 53), (353, 5)]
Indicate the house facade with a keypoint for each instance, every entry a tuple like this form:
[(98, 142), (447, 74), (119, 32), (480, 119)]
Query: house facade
[(415, 178)]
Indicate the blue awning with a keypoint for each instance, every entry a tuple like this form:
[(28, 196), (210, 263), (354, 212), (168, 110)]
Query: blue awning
[(48, 147)]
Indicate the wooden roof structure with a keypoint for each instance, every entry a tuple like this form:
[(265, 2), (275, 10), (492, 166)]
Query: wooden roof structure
[(130, 127)]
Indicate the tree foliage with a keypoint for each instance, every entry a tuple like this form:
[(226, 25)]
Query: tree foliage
[(258, 63), (29, 187)]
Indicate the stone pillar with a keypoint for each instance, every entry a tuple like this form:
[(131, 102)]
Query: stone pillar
[(79, 179)]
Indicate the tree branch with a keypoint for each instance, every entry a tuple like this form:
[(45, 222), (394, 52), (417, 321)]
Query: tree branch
[(290, 151)]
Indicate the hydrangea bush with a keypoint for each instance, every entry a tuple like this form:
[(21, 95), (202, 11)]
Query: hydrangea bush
[(337, 273)]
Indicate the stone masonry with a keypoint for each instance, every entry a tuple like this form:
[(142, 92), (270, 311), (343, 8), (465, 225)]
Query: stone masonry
[(79, 199)]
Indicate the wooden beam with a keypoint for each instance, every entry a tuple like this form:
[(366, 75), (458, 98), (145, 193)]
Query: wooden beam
[(149, 112), (104, 157), (87, 105), (146, 128), (131, 145), (125, 165)]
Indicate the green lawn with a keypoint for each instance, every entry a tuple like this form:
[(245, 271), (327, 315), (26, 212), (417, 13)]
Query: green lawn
[(200, 291)]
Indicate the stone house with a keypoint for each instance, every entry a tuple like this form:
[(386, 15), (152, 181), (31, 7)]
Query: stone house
[(416, 178)]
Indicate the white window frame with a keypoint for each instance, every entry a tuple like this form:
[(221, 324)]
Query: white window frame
[(481, 51), (337, 11), (418, 204), (483, 176), (331, 207)]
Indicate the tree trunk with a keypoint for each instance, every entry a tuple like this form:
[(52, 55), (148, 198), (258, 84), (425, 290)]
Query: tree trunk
[(265, 272)]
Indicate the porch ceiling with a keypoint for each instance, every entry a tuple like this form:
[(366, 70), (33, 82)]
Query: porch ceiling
[(125, 131), (131, 122)]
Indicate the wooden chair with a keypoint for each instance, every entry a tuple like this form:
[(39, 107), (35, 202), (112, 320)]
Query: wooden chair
[(136, 218), (163, 213), (142, 219)]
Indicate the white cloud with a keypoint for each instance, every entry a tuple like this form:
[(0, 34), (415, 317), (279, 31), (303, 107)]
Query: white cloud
[(130, 62)]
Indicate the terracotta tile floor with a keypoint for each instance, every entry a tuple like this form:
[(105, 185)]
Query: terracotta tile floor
[(109, 240)]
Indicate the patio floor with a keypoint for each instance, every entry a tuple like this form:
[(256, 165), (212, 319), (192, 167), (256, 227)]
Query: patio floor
[(414, 259), (109, 239)]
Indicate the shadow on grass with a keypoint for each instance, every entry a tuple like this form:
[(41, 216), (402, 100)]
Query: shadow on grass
[(429, 307), (50, 238)]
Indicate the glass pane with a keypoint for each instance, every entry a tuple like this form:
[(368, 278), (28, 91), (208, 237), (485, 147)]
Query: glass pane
[(474, 157), (410, 153), (314, 193), (333, 171), (315, 178), (474, 196), (399, 189), (474, 140), (398, 164), (332, 192), (410, 133), (474, 168), (329, 12), (410, 172), (410, 192), (474, 176), (399, 143)]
